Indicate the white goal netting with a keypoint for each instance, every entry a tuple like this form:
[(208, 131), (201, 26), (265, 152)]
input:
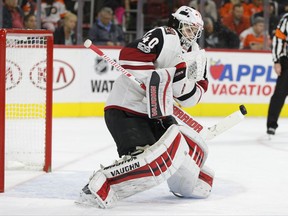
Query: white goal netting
[(25, 127)]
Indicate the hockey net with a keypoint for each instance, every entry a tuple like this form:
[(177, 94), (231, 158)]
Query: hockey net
[(26, 59)]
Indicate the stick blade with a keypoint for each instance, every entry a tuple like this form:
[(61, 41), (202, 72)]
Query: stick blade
[(227, 123)]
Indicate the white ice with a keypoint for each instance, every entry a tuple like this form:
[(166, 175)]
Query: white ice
[(251, 174)]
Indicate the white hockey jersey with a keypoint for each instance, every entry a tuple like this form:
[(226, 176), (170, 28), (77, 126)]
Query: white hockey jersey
[(157, 49)]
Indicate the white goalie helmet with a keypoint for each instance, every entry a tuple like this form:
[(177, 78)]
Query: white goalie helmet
[(188, 22)]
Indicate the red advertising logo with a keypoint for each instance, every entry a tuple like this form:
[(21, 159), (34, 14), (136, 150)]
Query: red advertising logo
[(13, 75), (38, 75), (63, 73), (216, 69)]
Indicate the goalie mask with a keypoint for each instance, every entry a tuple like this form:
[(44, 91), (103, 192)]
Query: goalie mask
[(189, 24)]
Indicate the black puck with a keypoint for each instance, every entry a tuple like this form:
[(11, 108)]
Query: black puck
[(243, 109)]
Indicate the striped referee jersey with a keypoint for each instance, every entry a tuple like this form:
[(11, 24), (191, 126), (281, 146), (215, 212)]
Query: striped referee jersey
[(280, 39)]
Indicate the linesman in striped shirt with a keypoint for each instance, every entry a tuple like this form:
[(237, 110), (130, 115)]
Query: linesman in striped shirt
[(280, 59)]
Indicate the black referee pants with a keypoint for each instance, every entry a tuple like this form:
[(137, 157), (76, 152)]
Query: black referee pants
[(278, 98)]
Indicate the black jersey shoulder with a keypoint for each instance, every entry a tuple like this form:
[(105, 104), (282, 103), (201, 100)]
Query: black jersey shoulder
[(151, 43)]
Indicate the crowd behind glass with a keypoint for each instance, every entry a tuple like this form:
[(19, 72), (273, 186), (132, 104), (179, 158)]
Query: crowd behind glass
[(228, 24)]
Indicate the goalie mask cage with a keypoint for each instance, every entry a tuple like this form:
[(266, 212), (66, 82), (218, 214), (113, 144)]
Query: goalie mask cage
[(26, 59)]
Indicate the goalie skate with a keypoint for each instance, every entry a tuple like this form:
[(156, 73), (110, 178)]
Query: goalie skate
[(87, 199)]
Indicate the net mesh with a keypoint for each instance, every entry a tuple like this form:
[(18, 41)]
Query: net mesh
[(25, 101)]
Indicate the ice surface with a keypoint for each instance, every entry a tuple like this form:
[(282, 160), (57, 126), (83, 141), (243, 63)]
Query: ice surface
[(251, 174)]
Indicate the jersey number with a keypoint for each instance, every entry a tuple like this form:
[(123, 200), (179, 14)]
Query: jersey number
[(147, 48), (154, 41)]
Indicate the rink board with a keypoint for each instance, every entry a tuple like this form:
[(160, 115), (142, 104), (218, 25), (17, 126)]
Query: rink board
[(83, 81), (202, 109)]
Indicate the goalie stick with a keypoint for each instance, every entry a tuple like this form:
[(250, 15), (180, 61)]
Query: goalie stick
[(206, 132)]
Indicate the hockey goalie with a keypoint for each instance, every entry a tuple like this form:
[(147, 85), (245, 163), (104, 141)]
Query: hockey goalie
[(152, 147)]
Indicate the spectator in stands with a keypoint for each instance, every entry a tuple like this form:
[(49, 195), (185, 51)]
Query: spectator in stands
[(29, 6), (254, 37), (30, 21), (210, 8), (273, 17), (236, 21), (12, 15), (255, 6), (65, 34), (52, 11), (227, 8), (218, 36), (104, 31), (119, 8)]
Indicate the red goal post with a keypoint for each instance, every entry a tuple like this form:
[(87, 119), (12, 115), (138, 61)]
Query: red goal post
[(26, 68)]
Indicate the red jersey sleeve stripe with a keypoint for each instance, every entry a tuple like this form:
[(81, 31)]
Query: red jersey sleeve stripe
[(142, 67), (133, 54)]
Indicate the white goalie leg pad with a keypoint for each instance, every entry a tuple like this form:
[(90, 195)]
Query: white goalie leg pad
[(204, 183), (198, 147), (159, 93), (141, 172), (183, 182)]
